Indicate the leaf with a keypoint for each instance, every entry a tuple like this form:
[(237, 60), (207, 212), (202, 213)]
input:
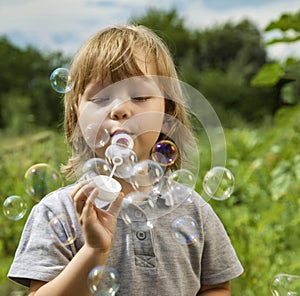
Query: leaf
[(286, 22), (288, 95), (284, 39), (269, 75)]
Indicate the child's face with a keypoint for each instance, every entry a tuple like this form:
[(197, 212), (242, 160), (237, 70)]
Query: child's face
[(135, 106)]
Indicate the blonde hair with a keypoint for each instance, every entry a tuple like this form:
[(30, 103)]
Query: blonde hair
[(111, 54)]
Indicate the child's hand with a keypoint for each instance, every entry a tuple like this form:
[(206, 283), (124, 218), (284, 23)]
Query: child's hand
[(98, 225)]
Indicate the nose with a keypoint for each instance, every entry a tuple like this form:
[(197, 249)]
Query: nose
[(121, 110)]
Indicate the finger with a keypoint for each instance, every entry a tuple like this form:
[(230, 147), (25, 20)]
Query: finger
[(77, 188), (115, 207), (88, 208), (81, 197)]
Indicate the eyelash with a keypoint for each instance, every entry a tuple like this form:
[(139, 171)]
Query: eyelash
[(99, 100), (140, 99), (103, 100)]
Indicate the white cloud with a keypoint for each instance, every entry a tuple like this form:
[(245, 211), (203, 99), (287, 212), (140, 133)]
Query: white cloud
[(198, 16), (65, 24)]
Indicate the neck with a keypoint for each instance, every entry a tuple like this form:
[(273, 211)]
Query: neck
[(127, 187)]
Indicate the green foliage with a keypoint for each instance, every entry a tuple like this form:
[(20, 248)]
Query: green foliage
[(170, 27), (233, 99), (262, 217), (287, 23), (24, 77), (269, 75), (282, 75), (16, 156), (16, 113), (219, 46)]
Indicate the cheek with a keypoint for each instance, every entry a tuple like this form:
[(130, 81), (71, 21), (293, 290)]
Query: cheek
[(153, 122), (92, 128), (150, 125)]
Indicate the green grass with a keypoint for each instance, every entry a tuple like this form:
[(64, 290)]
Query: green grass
[(17, 154)]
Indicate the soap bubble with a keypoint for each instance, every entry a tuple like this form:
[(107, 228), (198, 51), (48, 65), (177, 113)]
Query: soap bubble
[(126, 159), (180, 185), (61, 81), (96, 166), (138, 206), (164, 152), (123, 140), (96, 136), (41, 179), (14, 207), (218, 183), (146, 173), (182, 177), (285, 285), (185, 230), (103, 281), (63, 229)]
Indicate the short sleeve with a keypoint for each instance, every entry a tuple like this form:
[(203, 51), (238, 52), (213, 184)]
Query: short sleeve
[(46, 246), (219, 262)]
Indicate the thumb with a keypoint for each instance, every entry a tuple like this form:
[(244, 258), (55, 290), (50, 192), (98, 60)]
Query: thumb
[(115, 207)]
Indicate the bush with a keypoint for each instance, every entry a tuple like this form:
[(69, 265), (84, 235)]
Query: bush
[(16, 156), (262, 217)]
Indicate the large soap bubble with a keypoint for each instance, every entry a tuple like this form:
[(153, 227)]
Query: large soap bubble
[(123, 158), (96, 136), (285, 285), (218, 183), (14, 207), (61, 81), (146, 173), (176, 151), (185, 230), (61, 228), (41, 179), (96, 166), (138, 206), (164, 152), (181, 184), (103, 281)]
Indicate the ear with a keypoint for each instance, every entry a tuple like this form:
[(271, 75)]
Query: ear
[(165, 125), (169, 124)]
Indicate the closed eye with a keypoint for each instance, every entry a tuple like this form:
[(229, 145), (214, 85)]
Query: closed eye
[(140, 99), (98, 100)]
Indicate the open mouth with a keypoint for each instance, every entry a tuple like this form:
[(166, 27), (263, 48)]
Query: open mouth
[(123, 139)]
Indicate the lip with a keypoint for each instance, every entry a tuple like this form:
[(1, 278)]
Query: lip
[(118, 131)]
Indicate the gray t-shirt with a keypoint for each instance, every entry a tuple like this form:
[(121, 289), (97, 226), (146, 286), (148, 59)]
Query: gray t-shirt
[(173, 254)]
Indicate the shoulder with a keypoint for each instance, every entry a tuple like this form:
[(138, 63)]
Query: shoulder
[(58, 198), (200, 205), (56, 203)]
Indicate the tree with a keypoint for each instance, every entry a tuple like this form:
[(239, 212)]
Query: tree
[(170, 27), (223, 61), (283, 76), (25, 74), (219, 46)]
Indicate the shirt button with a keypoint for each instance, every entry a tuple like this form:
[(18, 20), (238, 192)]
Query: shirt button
[(137, 214), (141, 235)]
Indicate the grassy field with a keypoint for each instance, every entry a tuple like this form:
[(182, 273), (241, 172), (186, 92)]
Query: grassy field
[(262, 216)]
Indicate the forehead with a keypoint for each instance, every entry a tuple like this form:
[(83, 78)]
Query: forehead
[(146, 85)]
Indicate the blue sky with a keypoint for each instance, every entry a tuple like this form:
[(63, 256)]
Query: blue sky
[(65, 24)]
